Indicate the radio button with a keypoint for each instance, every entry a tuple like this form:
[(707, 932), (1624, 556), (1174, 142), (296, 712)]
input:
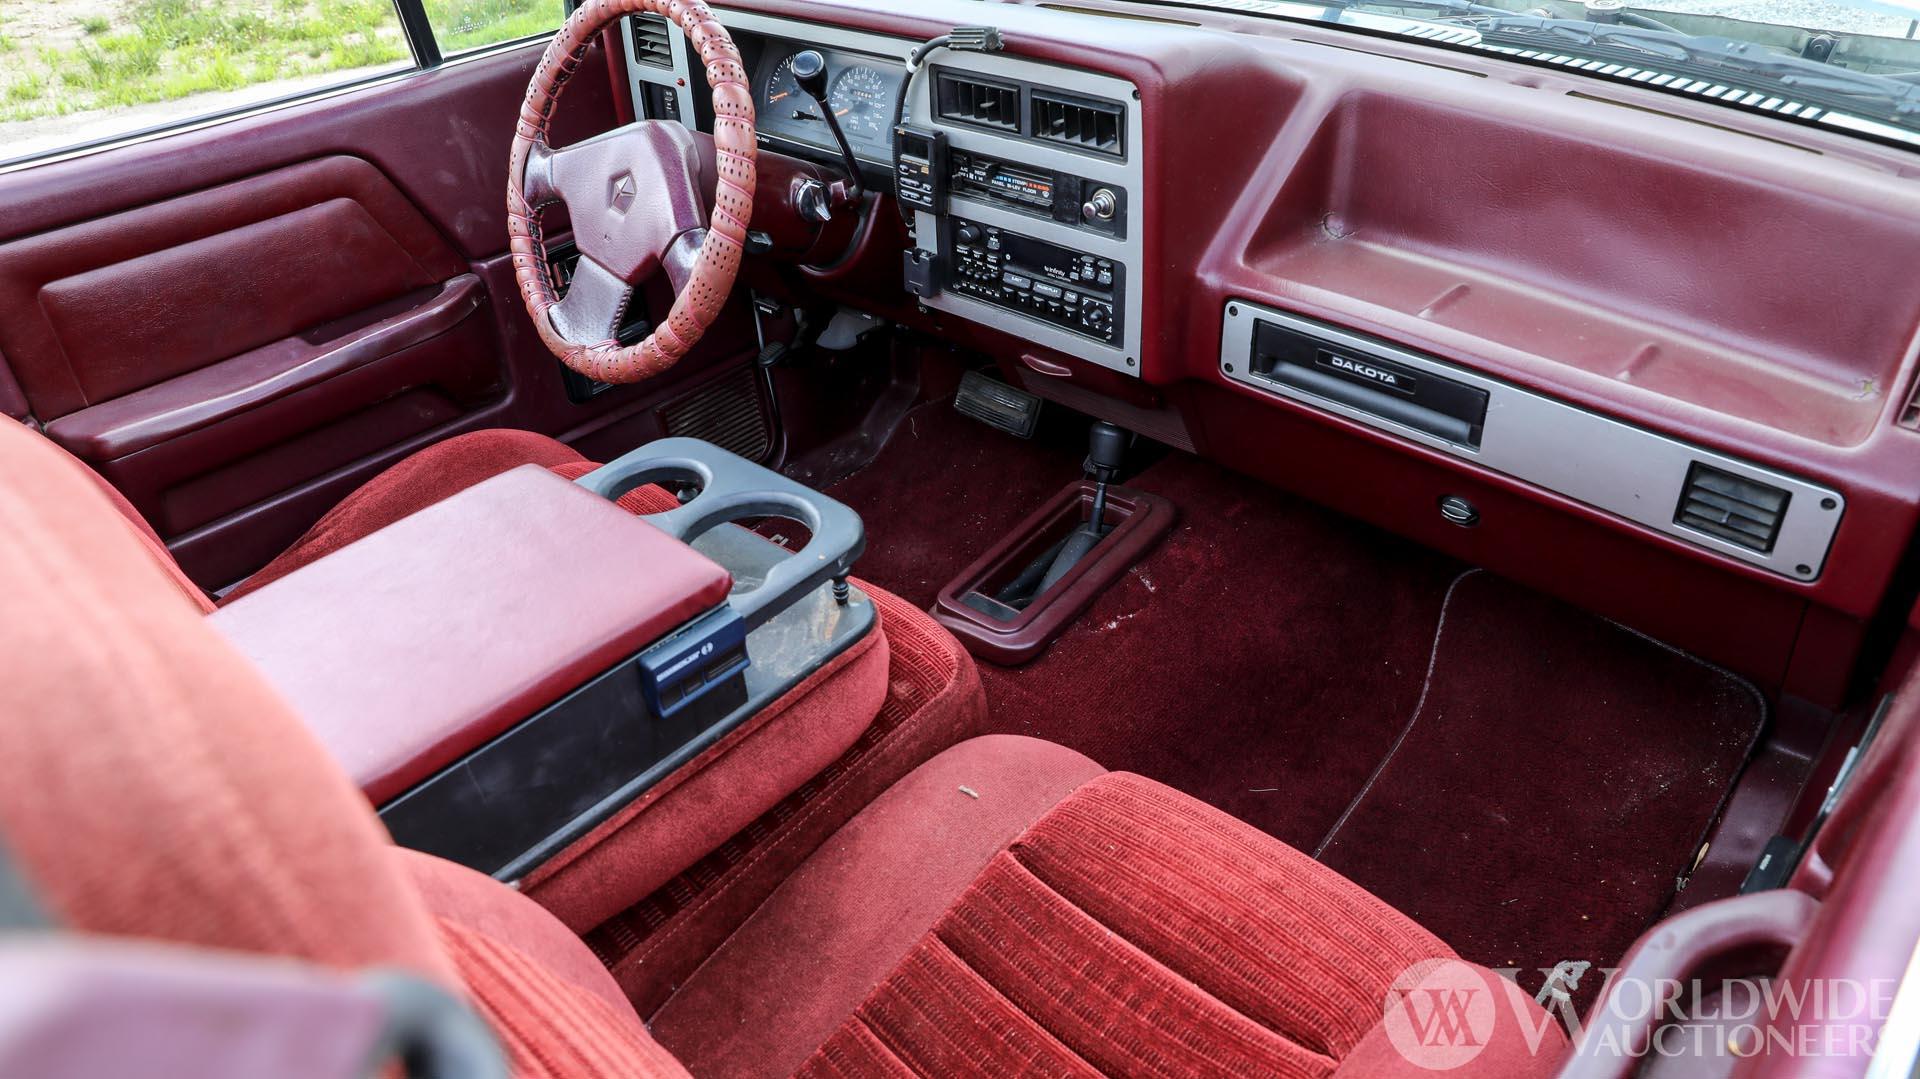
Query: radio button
[(1042, 288)]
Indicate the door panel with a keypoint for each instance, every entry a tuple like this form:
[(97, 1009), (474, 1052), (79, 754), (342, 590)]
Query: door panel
[(120, 303), (238, 325), (207, 352)]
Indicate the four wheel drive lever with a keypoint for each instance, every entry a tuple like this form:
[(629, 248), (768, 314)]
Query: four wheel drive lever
[(810, 72)]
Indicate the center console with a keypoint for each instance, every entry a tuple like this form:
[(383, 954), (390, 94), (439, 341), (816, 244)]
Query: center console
[(507, 669), (1024, 185)]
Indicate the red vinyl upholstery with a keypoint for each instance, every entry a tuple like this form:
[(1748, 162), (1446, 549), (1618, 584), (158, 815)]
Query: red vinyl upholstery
[(417, 482)]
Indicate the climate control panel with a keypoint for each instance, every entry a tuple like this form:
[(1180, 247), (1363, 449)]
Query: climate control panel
[(1070, 289)]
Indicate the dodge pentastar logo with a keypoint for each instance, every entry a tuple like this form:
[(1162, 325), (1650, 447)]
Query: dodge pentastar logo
[(624, 189)]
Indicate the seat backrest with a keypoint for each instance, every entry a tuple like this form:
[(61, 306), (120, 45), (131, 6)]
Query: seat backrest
[(151, 784)]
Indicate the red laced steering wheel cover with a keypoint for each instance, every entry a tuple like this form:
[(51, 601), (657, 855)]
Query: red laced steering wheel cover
[(718, 261)]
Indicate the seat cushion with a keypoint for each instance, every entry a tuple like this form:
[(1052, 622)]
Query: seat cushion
[(859, 903), (1010, 907), (555, 1009)]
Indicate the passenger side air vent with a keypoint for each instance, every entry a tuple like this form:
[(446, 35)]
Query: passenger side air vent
[(652, 46), (976, 101), (1084, 125), (1732, 508)]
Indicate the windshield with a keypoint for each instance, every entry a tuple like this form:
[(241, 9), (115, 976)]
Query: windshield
[(1852, 66)]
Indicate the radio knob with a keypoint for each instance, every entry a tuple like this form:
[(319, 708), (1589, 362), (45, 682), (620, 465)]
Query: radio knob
[(967, 235), (1100, 206)]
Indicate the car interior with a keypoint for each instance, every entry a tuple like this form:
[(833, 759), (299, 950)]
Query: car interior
[(963, 537)]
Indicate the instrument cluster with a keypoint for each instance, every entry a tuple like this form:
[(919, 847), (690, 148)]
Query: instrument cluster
[(862, 91)]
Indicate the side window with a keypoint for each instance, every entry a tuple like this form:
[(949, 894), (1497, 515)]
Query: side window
[(74, 72), (462, 25), (78, 72)]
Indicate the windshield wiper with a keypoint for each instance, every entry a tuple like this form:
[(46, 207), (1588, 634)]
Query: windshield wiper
[(1713, 57)]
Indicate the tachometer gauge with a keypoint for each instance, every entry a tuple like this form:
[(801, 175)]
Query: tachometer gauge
[(864, 103), (783, 99)]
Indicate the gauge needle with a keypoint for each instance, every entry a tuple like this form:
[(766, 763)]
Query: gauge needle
[(781, 96), (841, 112)]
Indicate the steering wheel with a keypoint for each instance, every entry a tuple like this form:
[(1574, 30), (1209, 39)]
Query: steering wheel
[(633, 197)]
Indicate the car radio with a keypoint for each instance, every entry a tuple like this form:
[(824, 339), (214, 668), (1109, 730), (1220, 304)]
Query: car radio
[(1057, 285), (1058, 196)]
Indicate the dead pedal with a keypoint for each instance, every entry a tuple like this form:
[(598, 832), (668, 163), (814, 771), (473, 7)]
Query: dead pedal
[(997, 404)]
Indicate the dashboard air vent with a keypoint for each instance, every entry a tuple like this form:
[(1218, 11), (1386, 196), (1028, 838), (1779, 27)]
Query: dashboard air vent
[(651, 45), (1085, 125), (1732, 508), (1910, 415), (975, 101)]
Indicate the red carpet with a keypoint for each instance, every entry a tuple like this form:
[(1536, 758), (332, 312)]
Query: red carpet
[(1268, 656), (944, 488), (1560, 773)]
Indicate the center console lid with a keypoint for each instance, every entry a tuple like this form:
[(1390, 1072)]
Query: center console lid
[(407, 649), (506, 670)]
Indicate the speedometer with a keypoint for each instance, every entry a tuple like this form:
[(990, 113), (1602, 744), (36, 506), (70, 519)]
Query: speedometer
[(864, 102)]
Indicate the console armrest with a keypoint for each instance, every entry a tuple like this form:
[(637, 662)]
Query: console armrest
[(418, 644)]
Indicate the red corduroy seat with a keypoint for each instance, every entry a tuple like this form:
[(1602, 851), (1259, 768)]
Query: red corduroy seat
[(1007, 908), (1012, 907)]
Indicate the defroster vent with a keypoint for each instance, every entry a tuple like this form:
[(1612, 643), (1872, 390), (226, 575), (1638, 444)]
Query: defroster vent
[(1732, 508), (651, 45), (1082, 124), (979, 102)]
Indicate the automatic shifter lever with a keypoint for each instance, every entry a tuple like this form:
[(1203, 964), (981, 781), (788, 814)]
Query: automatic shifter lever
[(810, 73), (1106, 453)]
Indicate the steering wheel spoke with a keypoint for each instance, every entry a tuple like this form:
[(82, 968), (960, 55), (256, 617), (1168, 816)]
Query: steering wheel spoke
[(634, 201), (536, 179), (596, 302)]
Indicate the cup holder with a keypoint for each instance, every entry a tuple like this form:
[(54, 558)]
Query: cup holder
[(731, 489)]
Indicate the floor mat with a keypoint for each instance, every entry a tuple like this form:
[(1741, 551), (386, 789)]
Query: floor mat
[(1268, 656), (1557, 776)]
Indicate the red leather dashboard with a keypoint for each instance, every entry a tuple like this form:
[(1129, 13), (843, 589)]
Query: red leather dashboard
[(548, 583), (1719, 278)]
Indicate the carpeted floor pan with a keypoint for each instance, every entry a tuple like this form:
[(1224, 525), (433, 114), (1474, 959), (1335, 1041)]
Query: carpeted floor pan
[(944, 487), (1557, 773), (1262, 658)]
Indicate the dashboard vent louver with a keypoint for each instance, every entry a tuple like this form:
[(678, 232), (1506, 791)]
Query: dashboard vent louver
[(1085, 125), (1910, 415), (974, 101), (652, 46), (1732, 508)]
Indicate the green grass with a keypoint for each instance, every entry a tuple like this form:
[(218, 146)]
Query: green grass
[(169, 49), (468, 24)]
